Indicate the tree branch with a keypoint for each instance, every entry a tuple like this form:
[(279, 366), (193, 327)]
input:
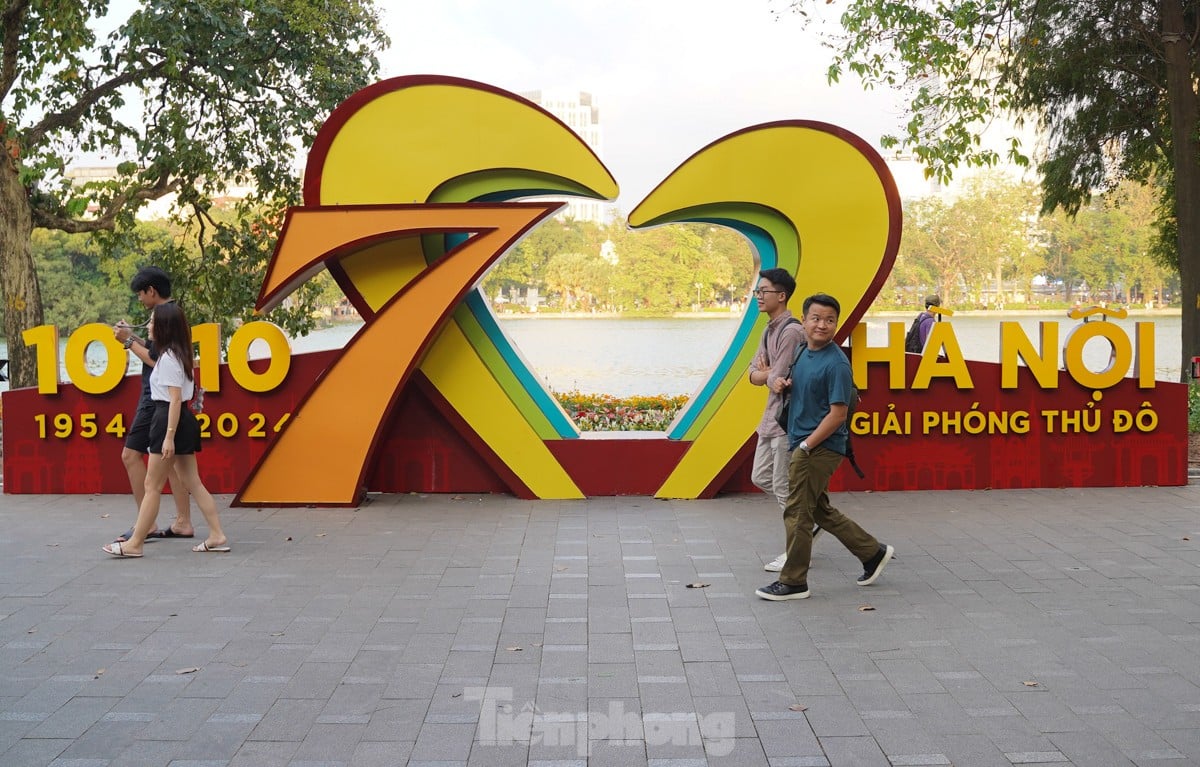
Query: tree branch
[(51, 219), (70, 117)]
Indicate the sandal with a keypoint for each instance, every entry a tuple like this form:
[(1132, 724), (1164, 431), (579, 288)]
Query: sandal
[(169, 532), (115, 550)]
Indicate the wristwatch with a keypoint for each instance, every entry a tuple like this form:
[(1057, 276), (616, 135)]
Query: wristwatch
[(128, 342), (804, 446)]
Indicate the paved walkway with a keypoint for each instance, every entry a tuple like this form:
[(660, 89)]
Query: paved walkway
[(1015, 627)]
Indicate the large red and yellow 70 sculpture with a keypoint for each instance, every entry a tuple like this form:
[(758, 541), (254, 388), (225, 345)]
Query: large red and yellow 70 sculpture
[(407, 203)]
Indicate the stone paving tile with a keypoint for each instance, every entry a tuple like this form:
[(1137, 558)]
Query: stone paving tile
[(151, 753), (288, 719), (33, 752), (616, 753), (1015, 627), (265, 754)]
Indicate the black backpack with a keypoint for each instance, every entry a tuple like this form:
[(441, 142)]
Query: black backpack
[(912, 341), (782, 418)]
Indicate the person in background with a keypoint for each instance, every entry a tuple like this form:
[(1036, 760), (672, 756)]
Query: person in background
[(771, 367), (152, 286), (928, 318), (822, 388), (174, 435)]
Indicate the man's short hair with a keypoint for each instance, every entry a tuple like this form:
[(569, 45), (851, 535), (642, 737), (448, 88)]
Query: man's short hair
[(824, 299), (151, 277), (780, 279), (933, 300)]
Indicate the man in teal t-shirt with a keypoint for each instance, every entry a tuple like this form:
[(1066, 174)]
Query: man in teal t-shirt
[(822, 387)]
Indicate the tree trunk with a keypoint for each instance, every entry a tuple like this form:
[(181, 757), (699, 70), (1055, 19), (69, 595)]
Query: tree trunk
[(18, 278), (1185, 119), (948, 297)]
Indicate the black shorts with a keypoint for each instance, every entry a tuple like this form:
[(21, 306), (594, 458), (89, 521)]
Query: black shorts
[(138, 436), (187, 433)]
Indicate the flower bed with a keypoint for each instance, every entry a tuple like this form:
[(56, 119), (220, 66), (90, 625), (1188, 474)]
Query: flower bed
[(604, 412)]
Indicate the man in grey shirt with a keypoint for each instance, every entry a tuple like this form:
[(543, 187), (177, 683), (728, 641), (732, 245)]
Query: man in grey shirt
[(771, 367)]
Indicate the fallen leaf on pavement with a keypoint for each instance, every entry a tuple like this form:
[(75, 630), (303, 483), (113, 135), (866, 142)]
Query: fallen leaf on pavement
[(797, 707), (698, 585), (103, 516), (1030, 684), (865, 608), (513, 649), (99, 673), (189, 670)]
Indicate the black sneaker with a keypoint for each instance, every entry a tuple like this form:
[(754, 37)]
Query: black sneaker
[(778, 592), (873, 567)]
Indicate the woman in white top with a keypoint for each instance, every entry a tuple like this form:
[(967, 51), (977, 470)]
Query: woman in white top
[(174, 434)]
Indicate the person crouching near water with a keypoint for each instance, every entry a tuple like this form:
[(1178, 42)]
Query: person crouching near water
[(174, 434)]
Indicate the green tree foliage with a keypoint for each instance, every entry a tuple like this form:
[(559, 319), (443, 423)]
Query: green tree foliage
[(74, 289), (1109, 83), (954, 247), (216, 259), (194, 97), (580, 266), (580, 279), (83, 282), (957, 247), (660, 269), (1109, 245), (934, 248), (525, 265)]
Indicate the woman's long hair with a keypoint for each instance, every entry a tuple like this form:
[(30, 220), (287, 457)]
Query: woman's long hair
[(172, 332)]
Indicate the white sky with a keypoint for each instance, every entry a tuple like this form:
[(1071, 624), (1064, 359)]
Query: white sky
[(669, 76)]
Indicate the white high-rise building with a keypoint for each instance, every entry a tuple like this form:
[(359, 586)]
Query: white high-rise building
[(579, 111)]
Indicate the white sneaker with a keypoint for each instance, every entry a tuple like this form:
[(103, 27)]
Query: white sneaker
[(776, 564)]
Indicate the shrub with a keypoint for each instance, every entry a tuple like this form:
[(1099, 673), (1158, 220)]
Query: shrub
[(1194, 406)]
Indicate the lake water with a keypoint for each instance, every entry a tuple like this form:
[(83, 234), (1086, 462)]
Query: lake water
[(625, 357), (675, 356)]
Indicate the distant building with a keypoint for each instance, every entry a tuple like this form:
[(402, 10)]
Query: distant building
[(152, 209), (909, 175), (579, 111), (909, 172)]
